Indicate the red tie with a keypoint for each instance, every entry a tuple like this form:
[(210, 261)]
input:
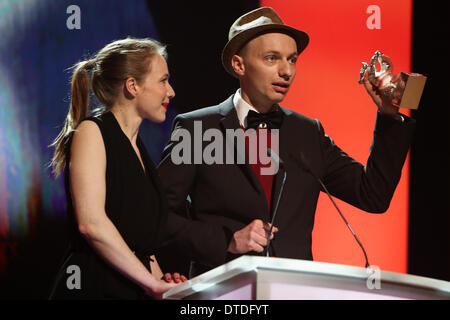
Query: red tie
[(265, 180)]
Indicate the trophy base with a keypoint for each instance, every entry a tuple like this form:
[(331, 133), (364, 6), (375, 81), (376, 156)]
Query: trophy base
[(414, 84)]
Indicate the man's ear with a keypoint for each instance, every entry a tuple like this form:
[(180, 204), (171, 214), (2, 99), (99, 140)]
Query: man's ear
[(131, 87), (237, 62)]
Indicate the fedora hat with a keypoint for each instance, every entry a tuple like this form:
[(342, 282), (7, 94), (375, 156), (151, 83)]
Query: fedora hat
[(253, 24)]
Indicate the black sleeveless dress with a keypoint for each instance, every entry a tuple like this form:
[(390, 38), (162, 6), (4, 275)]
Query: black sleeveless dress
[(134, 203)]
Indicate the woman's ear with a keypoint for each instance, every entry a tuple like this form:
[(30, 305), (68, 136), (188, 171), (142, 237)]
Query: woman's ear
[(131, 87), (237, 62)]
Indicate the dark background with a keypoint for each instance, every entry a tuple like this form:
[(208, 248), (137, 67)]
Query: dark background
[(195, 34), (429, 234)]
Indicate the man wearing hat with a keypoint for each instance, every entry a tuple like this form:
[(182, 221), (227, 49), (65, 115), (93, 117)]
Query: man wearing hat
[(232, 204)]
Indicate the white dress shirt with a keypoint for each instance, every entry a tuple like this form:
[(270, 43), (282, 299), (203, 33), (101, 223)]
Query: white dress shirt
[(242, 108)]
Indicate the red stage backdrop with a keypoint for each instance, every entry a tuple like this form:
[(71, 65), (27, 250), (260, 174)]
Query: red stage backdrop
[(342, 35)]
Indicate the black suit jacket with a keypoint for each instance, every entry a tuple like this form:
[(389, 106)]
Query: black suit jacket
[(226, 197)]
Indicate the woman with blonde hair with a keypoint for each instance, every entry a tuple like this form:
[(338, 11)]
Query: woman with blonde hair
[(114, 196)]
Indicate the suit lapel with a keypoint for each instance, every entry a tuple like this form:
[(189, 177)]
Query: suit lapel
[(230, 120), (283, 151)]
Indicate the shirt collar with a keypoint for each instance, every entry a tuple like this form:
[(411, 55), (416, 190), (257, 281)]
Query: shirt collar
[(242, 108)]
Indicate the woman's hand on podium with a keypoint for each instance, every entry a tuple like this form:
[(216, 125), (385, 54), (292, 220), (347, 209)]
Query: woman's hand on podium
[(176, 278), (168, 281)]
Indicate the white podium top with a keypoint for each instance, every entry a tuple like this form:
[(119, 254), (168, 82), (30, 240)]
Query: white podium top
[(281, 278)]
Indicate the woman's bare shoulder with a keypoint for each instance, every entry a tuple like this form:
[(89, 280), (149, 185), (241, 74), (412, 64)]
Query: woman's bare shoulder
[(87, 142)]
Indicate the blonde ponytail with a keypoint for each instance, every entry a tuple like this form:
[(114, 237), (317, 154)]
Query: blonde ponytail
[(79, 108)]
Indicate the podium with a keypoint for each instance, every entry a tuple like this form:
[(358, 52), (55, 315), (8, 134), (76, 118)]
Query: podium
[(268, 278)]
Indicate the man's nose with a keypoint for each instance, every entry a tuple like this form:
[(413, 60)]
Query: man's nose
[(285, 70)]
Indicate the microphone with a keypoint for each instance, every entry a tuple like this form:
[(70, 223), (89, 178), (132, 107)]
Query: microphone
[(280, 165), (304, 163)]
